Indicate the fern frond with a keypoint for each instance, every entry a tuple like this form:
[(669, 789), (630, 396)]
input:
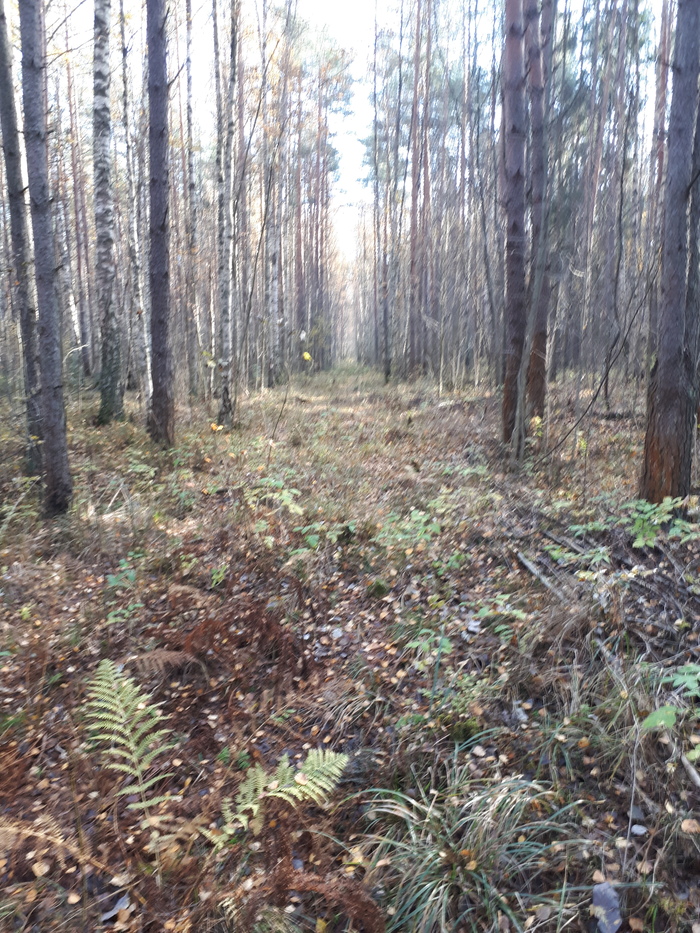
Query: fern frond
[(126, 721), (319, 776), (47, 830), (162, 661)]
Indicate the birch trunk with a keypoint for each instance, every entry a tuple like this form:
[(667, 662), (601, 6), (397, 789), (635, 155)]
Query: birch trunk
[(111, 387), (21, 249), (59, 485)]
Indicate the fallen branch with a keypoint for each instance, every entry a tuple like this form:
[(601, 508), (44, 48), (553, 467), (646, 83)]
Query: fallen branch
[(528, 565)]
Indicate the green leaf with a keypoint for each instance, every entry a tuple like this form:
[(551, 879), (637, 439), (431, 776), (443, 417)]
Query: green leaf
[(662, 718)]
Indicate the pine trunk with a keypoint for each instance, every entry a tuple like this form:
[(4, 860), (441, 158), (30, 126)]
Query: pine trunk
[(161, 418), (668, 444)]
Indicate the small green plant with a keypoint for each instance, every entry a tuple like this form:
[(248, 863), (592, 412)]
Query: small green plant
[(686, 678), (187, 563), (646, 519), (429, 647), (332, 532), (123, 614), (499, 609), (409, 532), (124, 578), (318, 777), (450, 564), (272, 492), (218, 575), (127, 724)]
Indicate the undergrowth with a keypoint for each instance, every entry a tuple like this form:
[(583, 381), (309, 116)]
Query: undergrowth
[(310, 622)]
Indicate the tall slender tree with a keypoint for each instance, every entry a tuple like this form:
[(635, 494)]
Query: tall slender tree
[(671, 407), (21, 247), (161, 416), (59, 485), (514, 125), (139, 323), (538, 39), (111, 386)]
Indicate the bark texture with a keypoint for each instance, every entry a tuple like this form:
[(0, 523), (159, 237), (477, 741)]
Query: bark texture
[(516, 243), (540, 290), (59, 486), (21, 248), (668, 444), (111, 387), (161, 417)]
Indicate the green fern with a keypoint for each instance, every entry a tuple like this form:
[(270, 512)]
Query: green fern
[(125, 720), (318, 777)]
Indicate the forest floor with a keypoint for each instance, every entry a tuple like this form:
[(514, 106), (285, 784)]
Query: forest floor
[(509, 659)]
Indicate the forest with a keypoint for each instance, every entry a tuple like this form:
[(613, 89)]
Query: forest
[(350, 526)]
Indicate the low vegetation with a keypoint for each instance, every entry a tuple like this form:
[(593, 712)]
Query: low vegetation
[(345, 668)]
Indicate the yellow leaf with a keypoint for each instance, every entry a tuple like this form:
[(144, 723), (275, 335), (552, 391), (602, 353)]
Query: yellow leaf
[(320, 925), (307, 356)]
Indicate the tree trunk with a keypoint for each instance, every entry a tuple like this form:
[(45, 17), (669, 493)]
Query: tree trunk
[(161, 418), (59, 486), (111, 388), (140, 318), (668, 445), (514, 167), (414, 268), (539, 260), (21, 249), (191, 311)]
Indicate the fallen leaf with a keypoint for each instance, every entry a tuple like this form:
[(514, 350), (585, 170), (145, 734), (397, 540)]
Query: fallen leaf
[(73, 897), (636, 924), (41, 868), (599, 877), (690, 826)]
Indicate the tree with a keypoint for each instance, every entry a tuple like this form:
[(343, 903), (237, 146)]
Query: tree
[(672, 398), (111, 387), (539, 265), (514, 166), (161, 416), (21, 248), (59, 486)]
